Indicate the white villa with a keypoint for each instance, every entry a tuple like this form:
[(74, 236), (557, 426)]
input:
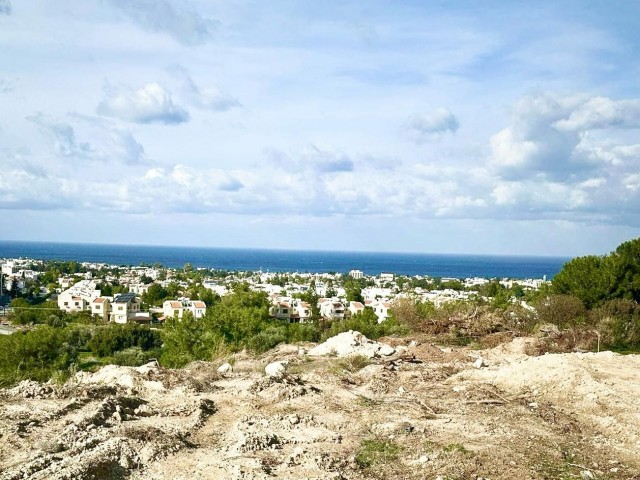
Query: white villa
[(78, 297), (176, 308)]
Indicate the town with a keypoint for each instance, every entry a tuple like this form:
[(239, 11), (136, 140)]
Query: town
[(149, 294)]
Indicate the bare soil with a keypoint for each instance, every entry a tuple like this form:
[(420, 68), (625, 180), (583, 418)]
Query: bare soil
[(425, 413)]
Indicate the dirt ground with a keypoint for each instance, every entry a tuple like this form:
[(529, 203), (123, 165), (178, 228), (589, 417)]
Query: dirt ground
[(424, 412)]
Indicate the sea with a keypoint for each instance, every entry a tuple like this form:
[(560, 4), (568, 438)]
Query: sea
[(240, 259)]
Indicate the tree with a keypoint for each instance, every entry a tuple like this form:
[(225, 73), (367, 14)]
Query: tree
[(155, 294), (353, 291), (37, 355), (187, 339), (589, 278), (626, 270)]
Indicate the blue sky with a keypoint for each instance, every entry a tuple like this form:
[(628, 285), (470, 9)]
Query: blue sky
[(476, 127)]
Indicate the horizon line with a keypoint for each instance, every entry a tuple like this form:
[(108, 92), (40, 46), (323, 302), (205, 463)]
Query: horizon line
[(280, 249)]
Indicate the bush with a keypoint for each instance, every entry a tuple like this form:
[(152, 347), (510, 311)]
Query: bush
[(132, 357), (564, 311), (35, 355), (111, 338), (367, 324), (618, 322), (268, 338)]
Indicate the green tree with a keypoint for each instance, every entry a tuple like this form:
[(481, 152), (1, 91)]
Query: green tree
[(625, 264), (155, 294), (187, 339), (353, 290), (589, 278), (38, 355)]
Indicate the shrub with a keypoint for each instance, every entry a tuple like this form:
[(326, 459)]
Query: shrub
[(367, 324), (111, 338), (618, 322), (564, 311), (38, 355), (131, 357)]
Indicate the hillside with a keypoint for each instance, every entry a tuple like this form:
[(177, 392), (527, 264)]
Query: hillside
[(414, 411)]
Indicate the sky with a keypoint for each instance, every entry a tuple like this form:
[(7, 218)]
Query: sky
[(482, 127)]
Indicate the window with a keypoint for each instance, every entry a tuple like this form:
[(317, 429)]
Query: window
[(97, 307), (66, 304)]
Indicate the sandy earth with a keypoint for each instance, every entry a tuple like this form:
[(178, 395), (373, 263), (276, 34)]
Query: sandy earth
[(516, 417)]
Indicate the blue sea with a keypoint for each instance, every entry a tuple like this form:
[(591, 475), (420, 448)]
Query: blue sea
[(435, 265)]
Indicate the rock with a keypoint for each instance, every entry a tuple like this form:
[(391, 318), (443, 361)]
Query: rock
[(225, 368), (480, 362), (351, 343), (276, 369), (51, 446), (587, 475), (386, 350)]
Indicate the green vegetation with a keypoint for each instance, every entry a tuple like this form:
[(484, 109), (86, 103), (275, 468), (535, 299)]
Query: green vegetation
[(376, 452), (367, 324), (595, 280), (592, 299), (39, 354)]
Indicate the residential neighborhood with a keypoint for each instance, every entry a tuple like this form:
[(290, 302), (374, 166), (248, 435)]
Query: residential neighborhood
[(153, 294)]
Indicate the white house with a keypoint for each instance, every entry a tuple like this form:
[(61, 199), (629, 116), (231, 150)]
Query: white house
[(381, 310), (176, 308), (125, 307), (355, 308), (198, 308), (172, 308), (331, 309), (78, 297), (101, 307)]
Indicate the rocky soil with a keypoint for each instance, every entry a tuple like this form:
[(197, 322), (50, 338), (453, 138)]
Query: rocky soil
[(404, 409)]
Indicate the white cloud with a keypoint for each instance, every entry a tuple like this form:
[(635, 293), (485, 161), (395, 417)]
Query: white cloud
[(430, 127), (314, 158), (602, 112), (559, 138), (149, 104), (208, 98), (105, 142), (185, 26), (63, 135)]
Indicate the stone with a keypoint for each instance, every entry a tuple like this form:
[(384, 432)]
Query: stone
[(225, 368), (480, 362), (276, 369)]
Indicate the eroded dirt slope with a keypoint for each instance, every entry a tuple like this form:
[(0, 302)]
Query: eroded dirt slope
[(420, 412)]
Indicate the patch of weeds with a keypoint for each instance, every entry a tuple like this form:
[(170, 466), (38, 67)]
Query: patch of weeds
[(351, 364), (560, 465), (376, 452), (455, 447)]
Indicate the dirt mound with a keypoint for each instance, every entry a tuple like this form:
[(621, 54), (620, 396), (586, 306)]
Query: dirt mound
[(602, 388)]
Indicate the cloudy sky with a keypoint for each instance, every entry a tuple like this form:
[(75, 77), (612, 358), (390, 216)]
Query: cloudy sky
[(476, 127)]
